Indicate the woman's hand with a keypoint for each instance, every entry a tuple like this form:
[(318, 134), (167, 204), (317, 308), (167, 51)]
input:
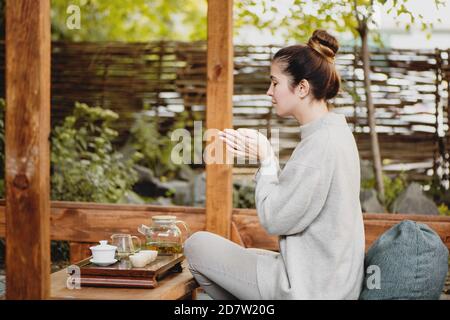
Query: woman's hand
[(247, 143)]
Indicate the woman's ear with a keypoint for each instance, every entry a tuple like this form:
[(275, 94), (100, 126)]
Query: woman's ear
[(303, 88)]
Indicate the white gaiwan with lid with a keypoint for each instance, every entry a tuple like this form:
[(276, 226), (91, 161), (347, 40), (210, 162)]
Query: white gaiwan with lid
[(103, 253)]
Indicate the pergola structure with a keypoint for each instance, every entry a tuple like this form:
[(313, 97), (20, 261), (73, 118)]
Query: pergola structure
[(29, 220), (27, 172)]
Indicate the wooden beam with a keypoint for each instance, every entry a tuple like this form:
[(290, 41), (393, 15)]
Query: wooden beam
[(253, 235), (83, 223), (91, 222), (219, 112), (27, 149)]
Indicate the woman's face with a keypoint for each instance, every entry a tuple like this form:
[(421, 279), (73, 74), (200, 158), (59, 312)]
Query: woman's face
[(284, 100)]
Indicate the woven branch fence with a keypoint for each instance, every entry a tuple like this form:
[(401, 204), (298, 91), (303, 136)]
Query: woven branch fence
[(410, 91)]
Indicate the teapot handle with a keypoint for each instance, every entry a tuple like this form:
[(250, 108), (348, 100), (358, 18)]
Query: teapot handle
[(143, 229), (188, 231), (139, 241)]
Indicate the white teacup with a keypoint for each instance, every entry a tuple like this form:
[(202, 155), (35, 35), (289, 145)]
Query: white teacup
[(103, 252), (138, 260), (143, 257), (150, 254)]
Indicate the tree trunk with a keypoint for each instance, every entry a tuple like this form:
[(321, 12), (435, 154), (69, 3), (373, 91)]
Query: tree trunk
[(378, 169)]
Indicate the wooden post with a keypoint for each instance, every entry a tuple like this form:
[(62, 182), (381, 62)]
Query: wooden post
[(27, 149), (219, 112), (79, 251)]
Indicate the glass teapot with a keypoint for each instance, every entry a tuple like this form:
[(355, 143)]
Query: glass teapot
[(164, 235)]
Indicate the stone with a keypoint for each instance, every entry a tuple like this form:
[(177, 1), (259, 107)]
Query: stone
[(413, 201), (370, 202), (200, 189), (183, 191), (148, 185), (131, 197), (162, 201), (186, 173), (127, 150), (367, 171)]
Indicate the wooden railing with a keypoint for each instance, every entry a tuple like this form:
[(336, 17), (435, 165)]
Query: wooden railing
[(82, 224), (252, 234)]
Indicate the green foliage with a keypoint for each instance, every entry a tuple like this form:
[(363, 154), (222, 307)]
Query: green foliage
[(393, 187), (155, 147), (444, 210), (85, 165), (244, 196), (438, 193), (305, 16), (60, 251), (131, 20)]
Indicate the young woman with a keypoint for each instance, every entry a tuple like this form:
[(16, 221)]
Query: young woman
[(312, 204)]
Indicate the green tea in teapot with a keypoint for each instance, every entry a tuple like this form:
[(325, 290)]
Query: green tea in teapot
[(164, 235), (165, 248)]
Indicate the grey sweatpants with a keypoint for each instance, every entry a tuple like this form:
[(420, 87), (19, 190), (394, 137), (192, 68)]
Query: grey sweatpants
[(225, 270)]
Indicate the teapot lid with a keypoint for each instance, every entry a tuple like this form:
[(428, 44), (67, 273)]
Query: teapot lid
[(164, 218), (103, 246)]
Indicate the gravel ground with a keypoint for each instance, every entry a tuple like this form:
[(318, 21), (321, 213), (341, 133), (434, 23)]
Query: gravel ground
[(446, 294)]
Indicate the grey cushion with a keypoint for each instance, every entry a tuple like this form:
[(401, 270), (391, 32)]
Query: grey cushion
[(412, 262)]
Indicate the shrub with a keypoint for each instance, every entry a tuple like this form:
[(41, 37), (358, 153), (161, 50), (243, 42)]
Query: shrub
[(443, 210), (85, 167), (155, 147)]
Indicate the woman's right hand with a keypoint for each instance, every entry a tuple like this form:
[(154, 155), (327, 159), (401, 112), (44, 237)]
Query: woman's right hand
[(247, 143)]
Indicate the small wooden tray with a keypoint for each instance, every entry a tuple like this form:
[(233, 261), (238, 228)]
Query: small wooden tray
[(123, 275)]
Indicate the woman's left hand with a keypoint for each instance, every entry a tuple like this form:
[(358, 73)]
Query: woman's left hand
[(247, 143)]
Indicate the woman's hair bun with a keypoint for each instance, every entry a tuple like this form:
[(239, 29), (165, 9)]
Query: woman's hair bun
[(324, 43)]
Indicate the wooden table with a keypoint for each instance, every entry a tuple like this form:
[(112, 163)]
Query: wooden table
[(175, 286)]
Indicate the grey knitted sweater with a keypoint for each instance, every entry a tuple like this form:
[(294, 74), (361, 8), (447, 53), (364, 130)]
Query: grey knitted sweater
[(313, 206)]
